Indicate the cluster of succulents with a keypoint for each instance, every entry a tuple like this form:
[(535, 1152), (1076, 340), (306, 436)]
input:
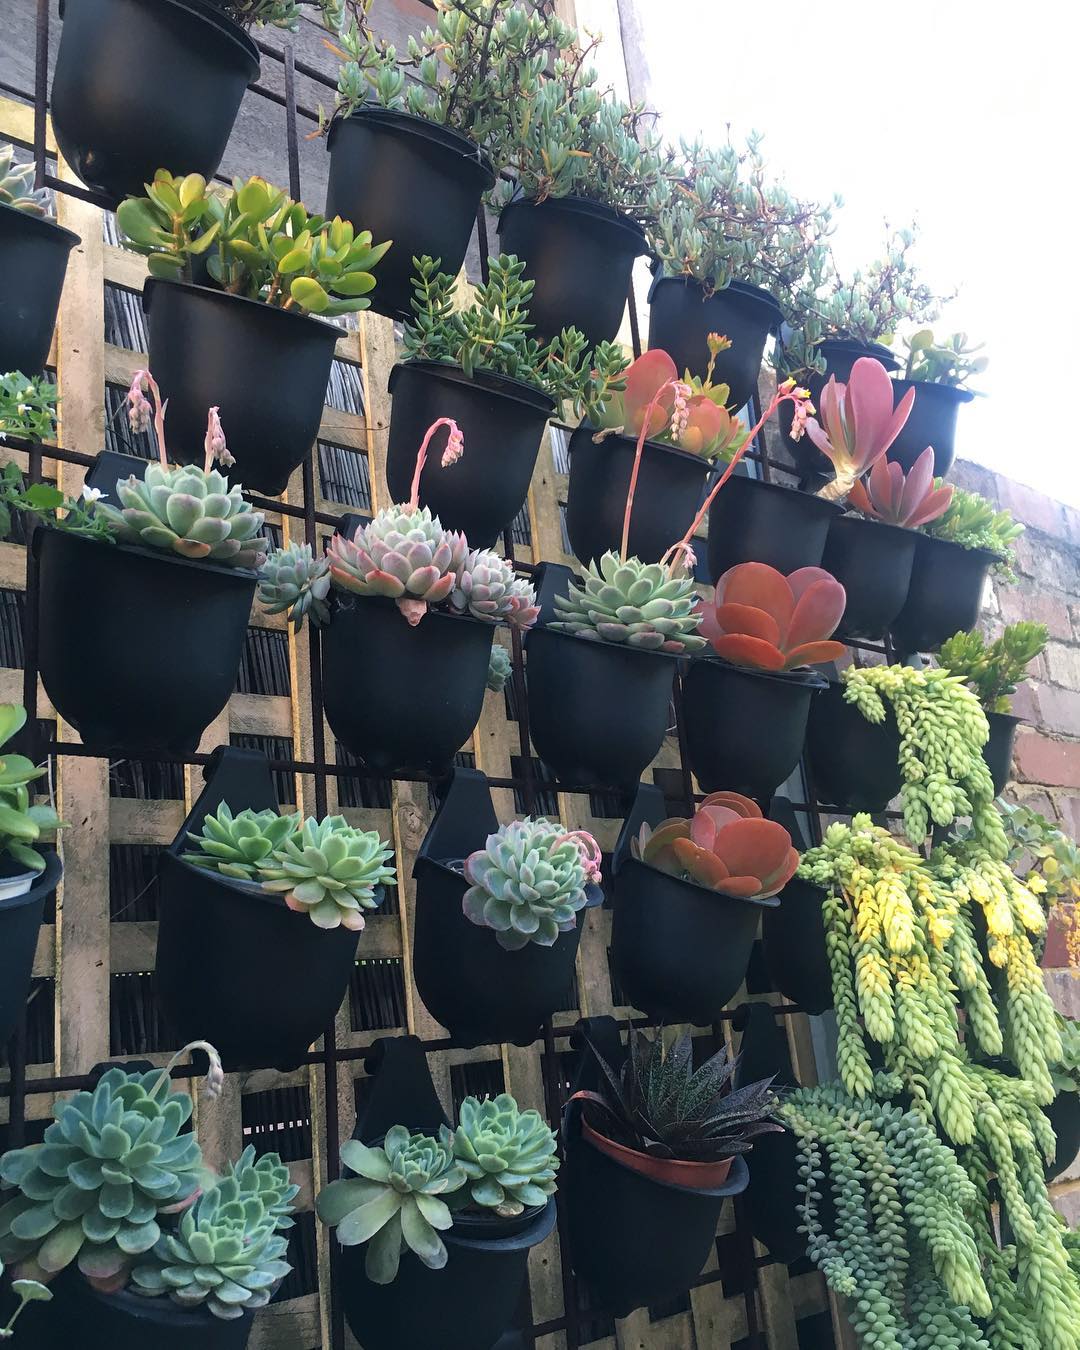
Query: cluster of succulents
[(950, 362), (907, 499), (726, 845), (487, 587), (17, 186), (21, 824), (530, 880), (292, 580), (236, 845), (994, 669), (972, 522), (627, 601), (27, 407), (762, 619), (405, 1191), (257, 243)]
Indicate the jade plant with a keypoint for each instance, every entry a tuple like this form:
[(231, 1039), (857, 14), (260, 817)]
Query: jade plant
[(529, 881), (1039, 847), (17, 186), (657, 1102), (256, 241), (726, 846), (994, 669), (894, 497), (27, 407), (270, 13), (509, 1156), (21, 824), (951, 362), (762, 619), (26, 1291)]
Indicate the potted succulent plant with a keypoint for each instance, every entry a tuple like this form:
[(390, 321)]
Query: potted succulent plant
[(653, 1148), (435, 1221), (151, 1246), (33, 262), (251, 342), (28, 873), (726, 242), (27, 413), (118, 119), (687, 900), (415, 140), (493, 952), (938, 373), (284, 899), (583, 166), (993, 670), (480, 366), (176, 557), (953, 554), (747, 702)]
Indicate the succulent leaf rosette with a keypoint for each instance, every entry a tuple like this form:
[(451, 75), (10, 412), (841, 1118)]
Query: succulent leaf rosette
[(509, 1156), (329, 871), (628, 601), (762, 619), (487, 588), (293, 580), (907, 499), (529, 881), (17, 186), (236, 845)]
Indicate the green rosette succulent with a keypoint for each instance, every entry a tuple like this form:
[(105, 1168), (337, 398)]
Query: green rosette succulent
[(111, 1162), (292, 579), (500, 668), (17, 186), (329, 871), (234, 846), (640, 604), (226, 1254), (403, 553), (189, 511), (394, 1201), (268, 1178), (508, 1155), (529, 881)]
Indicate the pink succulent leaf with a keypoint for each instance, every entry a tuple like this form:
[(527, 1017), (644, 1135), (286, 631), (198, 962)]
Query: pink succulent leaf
[(872, 421), (814, 654), (708, 627), (703, 830), (919, 481), (820, 609), (803, 578), (385, 583), (776, 880), (648, 374), (934, 504), (753, 847), (859, 500), (760, 586), (705, 424), (733, 801), (748, 619), (742, 887), (748, 651)]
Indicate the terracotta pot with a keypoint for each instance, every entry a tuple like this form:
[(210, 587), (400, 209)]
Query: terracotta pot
[(672, 1171)]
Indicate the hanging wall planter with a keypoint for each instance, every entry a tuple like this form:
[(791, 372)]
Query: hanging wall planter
[(115, 671), (476, 988), (794, 945), (1064, 1114), (502, 421), (755, 521), (944, 595), (854, 762), (840, 355), (138, 87), (635, 1239), (670, 487), (411, 180), (265, 368), (872, 561), (745, 728), (33, 262), (932, 421), (390, 711), (679, 951), (235, 966), (681, 317), (580, 255), (470, 1302), (20, 920), (998, 750)]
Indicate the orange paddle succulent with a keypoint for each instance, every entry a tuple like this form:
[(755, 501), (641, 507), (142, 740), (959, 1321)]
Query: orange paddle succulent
[(760, 618)]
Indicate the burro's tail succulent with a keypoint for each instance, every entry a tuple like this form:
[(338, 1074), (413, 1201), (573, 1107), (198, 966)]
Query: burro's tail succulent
[(529, 881), (509, 1155), (641, 604), (487, 588), (329, 870)]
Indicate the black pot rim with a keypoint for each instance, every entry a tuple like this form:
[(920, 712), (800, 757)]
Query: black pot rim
[(610, 646), (275, 899), (768, 902), (214, 296), (43, 883), (861, 522), (763, 485), (70, 236), (160, 1307), (347, 600), (157, 555), (877, 350), (948, 393), (522, 1231), (675, 451), (744, 288), (505, 386), (801, 675), (409, 124), (454, 867), (951, 546), (584, 206), (1016, 720), (221, 21)]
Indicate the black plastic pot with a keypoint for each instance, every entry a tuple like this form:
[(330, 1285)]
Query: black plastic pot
[(479, 991), (598, 711), (410, 180), (1064, 1113), (33, 262), (152, 665), (670, 487), (998, 750), (681, 317), (259, 949), (382, 697), (679, 951), (144, 84), (944, 595), (854, 762), (265, 368), (873, 562), (635, 1241), (793, 938), (580, 255), (754, 521), (20, 919), (502, 422), (745, 728), (932, 421), (840, 355)]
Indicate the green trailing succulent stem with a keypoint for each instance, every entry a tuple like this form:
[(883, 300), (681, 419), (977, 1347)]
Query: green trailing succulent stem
[(257, 242), (26, 1291), (17, 186), (972, 522), (271, 13), (236, 845), (330, 871), (293, 581), (27, 407), (509, 1156), (628, 601), (21, 823), (942, 733), (994, 669)]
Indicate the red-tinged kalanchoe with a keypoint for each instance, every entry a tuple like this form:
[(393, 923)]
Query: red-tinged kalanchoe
[(860, 423), (910, 500), (727, 846), (760, 618)]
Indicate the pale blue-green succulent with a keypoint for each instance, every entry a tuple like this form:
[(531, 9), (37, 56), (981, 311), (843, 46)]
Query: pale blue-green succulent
[(292, 579), (509, 1156), (330, 871), (236, 845), (640, 604)]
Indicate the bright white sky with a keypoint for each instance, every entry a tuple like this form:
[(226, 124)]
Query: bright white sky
[(962, 114)]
